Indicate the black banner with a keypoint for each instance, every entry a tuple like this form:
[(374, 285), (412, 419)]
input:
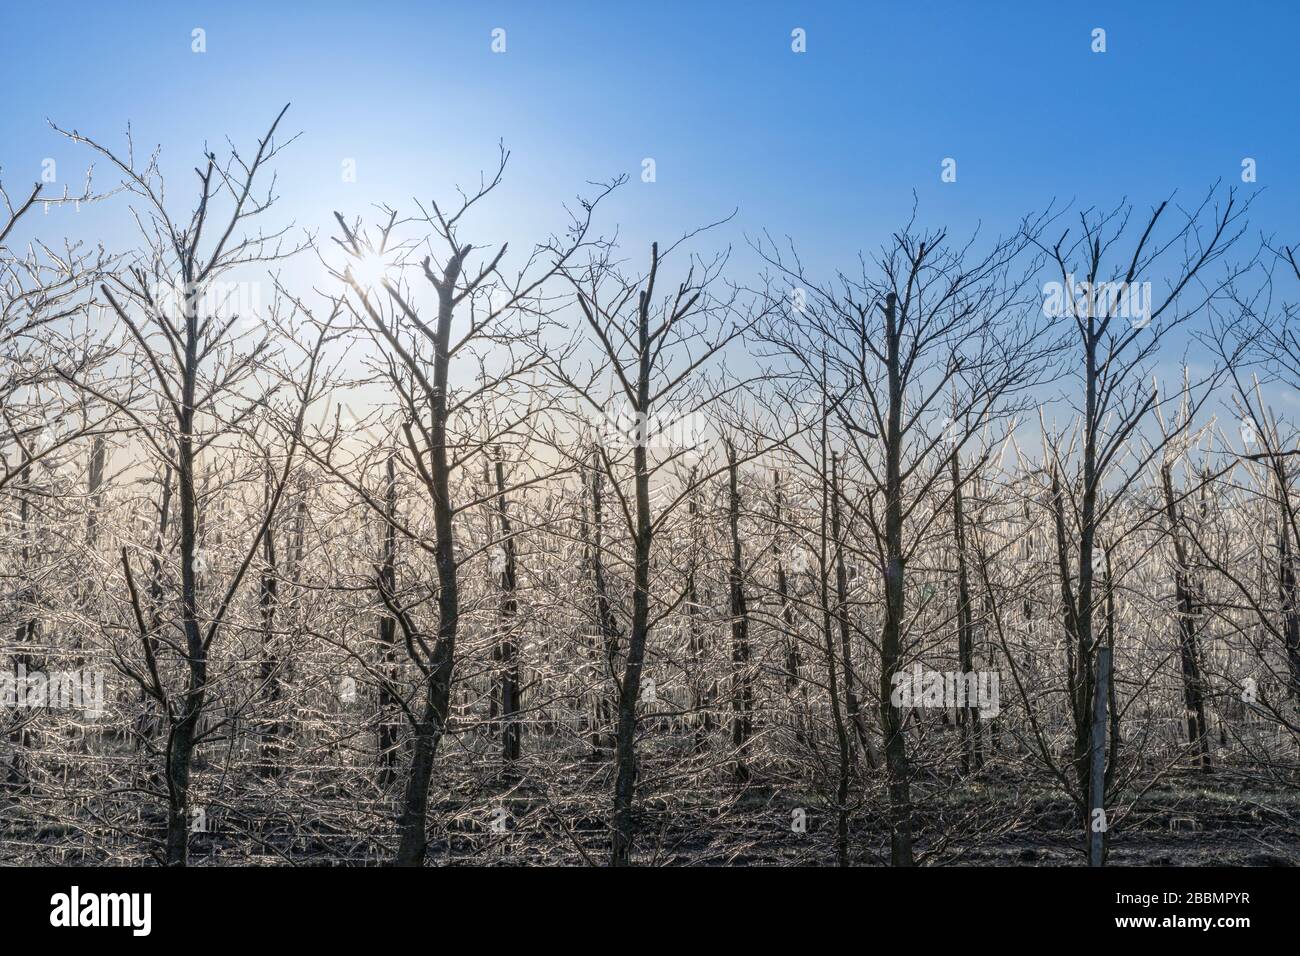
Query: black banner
[(361, 905)]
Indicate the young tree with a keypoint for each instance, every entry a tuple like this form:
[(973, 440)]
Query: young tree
[(207, 388), (922, 321), (47, 300), (651, 350), (1120, 326), (505, 314)]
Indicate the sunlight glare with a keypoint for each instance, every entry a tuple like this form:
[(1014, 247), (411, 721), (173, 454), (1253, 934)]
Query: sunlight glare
[(370, 270)]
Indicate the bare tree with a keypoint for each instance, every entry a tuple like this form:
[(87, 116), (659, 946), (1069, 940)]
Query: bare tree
[(1120, 325), (187, 358), (926, 320), (504, 312), (650, 349)]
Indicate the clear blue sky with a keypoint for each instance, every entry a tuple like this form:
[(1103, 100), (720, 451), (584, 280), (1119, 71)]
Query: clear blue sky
[(826, 146)]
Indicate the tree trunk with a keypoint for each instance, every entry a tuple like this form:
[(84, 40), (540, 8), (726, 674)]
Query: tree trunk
[(389, 725), (891, 638), (185, 722), (701, 716), (607, 704), (783, 594), (855, 716), (1098, 824), (968, 717), (1290, 590), (630, 687), (742, 692), (507, 652), (268, 598), (1198, 734), (842, 740), (437, 680)]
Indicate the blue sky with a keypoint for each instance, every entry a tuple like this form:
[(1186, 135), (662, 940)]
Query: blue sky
[(826, 146)]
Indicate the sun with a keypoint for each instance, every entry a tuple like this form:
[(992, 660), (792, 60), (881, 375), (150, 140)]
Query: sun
[(370, 269)]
